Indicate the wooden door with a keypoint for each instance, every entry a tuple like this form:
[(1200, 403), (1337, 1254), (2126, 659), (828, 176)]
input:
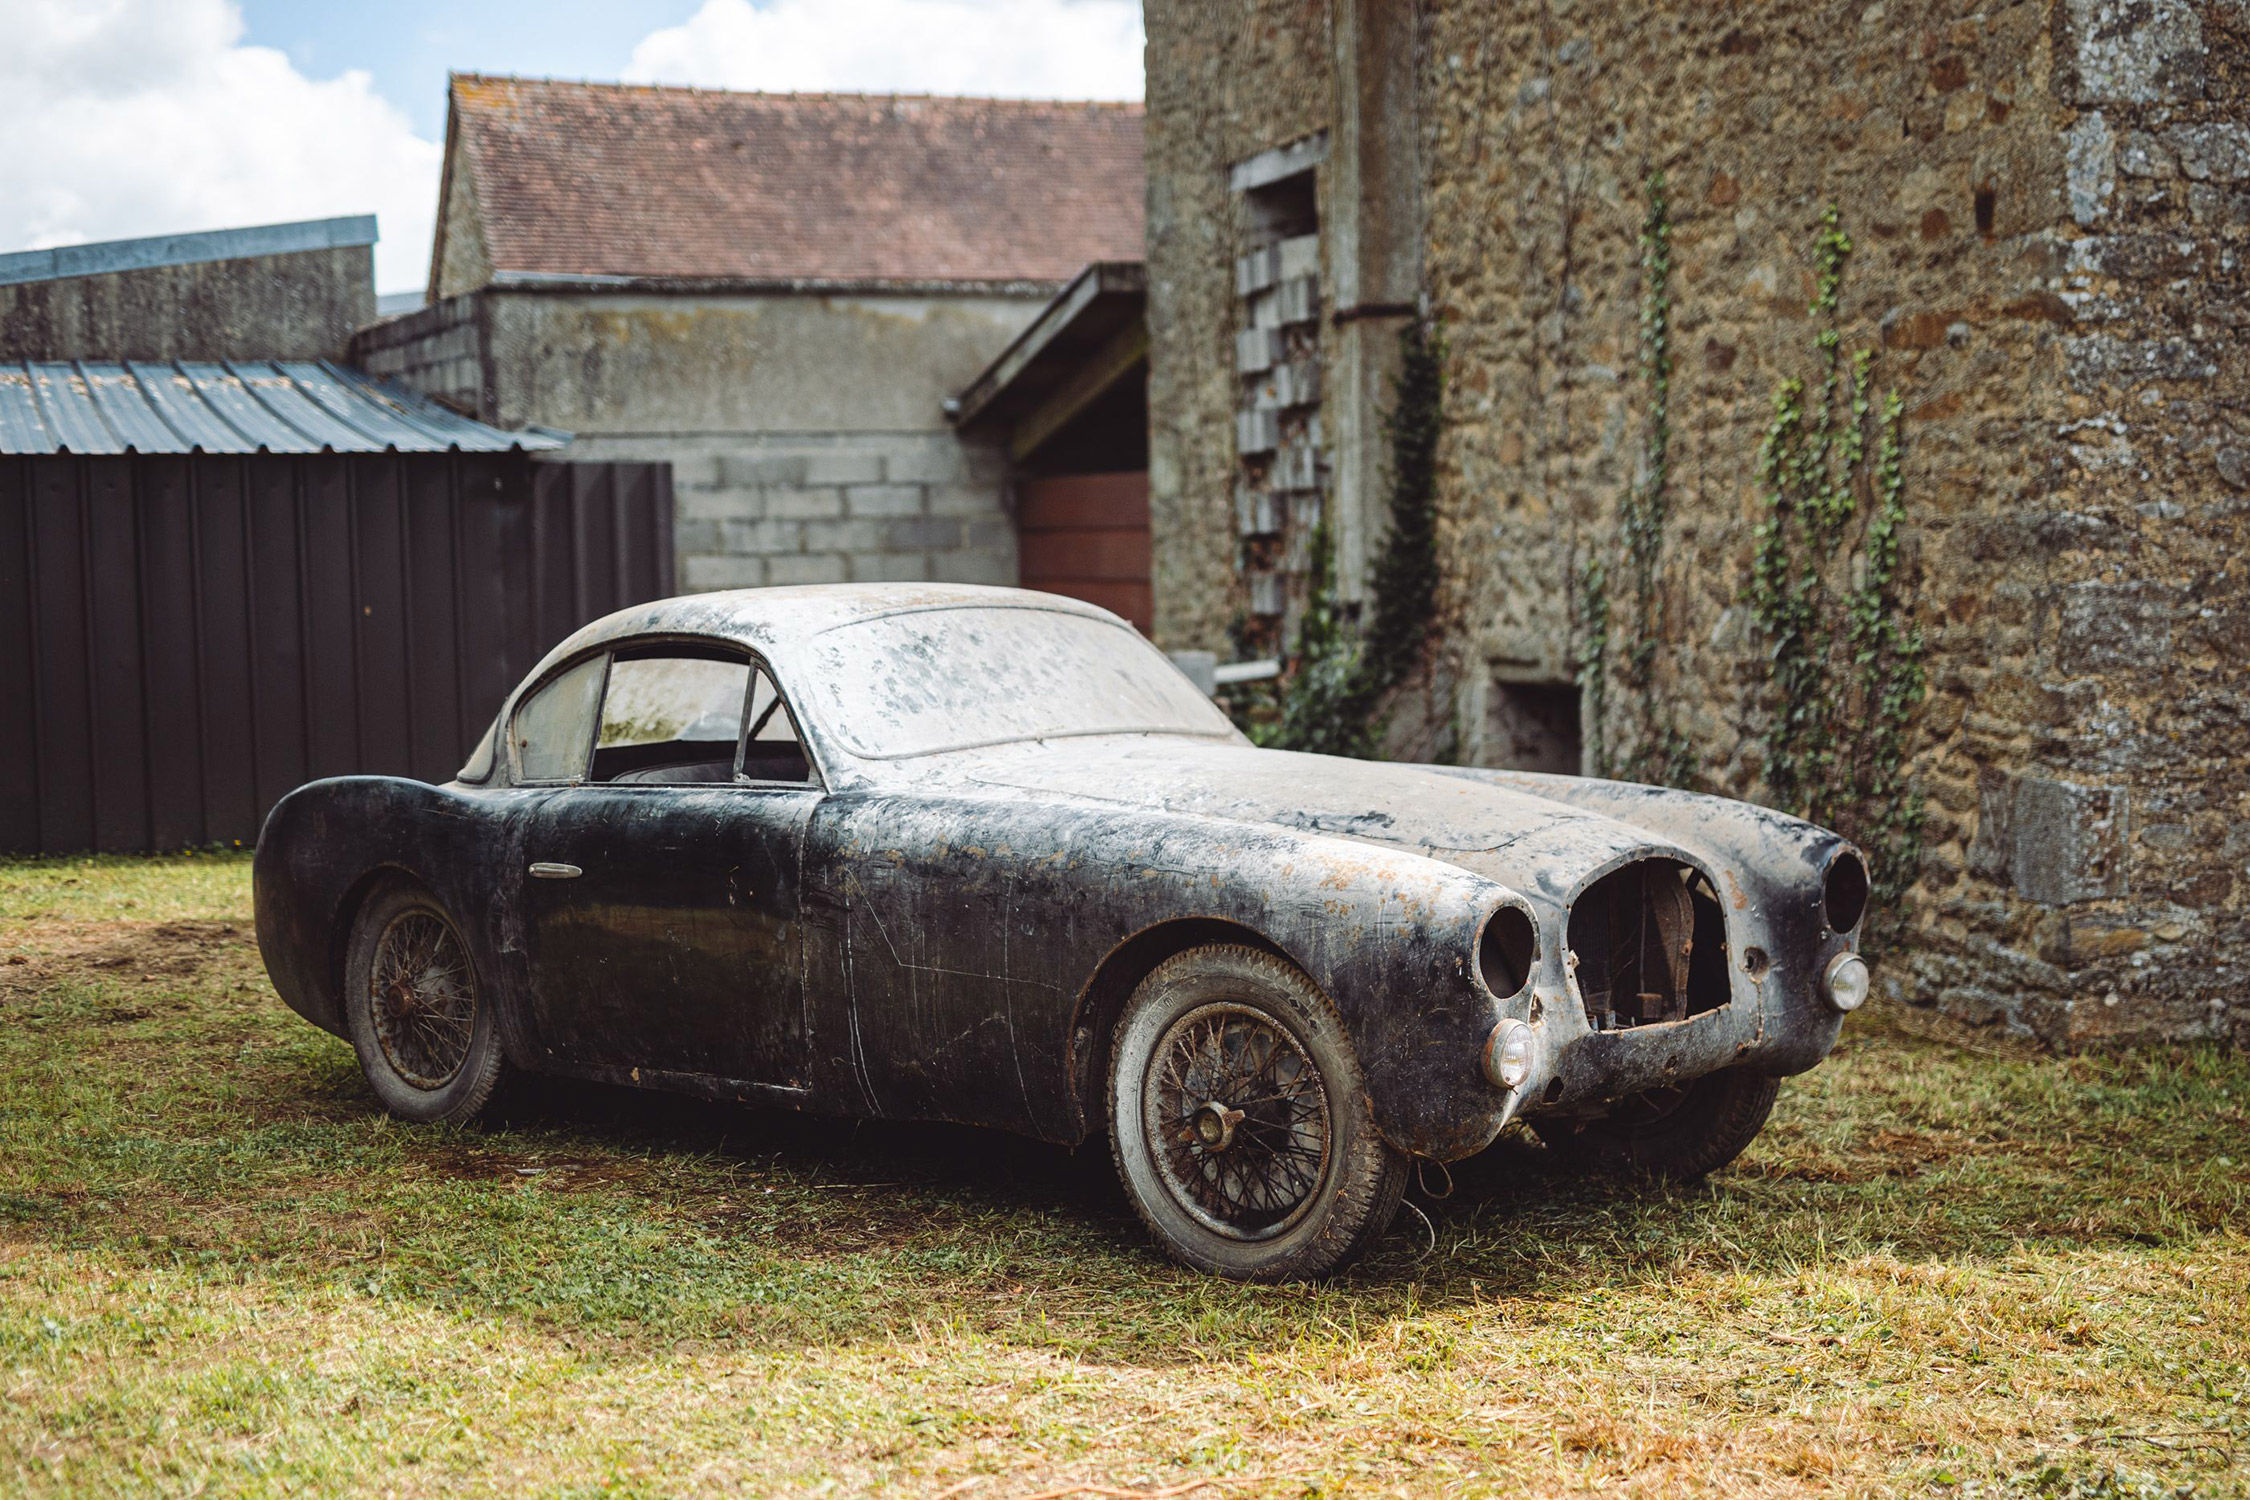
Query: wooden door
[(1086, 536)]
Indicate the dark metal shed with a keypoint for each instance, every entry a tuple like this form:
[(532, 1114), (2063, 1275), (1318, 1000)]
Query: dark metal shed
[(218, 581)]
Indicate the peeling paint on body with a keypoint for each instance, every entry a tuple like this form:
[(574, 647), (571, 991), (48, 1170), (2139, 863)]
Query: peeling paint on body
[(950, 935)]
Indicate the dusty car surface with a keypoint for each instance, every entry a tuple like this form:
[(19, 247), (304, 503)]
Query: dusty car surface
[(984, 855)]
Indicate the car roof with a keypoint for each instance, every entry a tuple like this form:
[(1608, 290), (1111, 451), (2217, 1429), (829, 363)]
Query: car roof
[(773, 618)]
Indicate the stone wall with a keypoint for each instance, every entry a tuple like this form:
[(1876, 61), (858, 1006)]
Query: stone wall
[(2049, 205), (1225, 83), (806, 433), (461, 260)]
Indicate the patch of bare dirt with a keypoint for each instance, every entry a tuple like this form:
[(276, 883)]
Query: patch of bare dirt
[(1884, 1153), (120, 951), (862, 1219), (467, 1163)]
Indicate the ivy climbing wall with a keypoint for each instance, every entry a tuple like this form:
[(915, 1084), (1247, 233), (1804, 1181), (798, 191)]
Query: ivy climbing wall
[(1843, 404)]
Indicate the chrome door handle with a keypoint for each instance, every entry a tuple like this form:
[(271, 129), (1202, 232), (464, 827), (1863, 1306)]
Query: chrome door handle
[(549, 870)]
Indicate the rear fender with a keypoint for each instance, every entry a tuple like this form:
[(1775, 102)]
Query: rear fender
[(325, 846)]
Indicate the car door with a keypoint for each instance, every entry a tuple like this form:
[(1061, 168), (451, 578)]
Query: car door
[(661, 900)]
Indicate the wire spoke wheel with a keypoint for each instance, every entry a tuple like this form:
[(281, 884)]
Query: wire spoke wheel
[(422, 997), (1237, 1121)]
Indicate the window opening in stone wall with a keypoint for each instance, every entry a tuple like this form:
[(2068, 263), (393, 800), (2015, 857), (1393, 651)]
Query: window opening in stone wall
[(1281, 475), (1283, 210), (1536, 726)]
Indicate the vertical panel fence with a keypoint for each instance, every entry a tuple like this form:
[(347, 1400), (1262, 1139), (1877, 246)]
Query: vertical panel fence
[(183, 639)]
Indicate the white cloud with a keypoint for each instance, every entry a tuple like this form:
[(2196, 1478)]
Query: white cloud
[(1062, 49), (137, 117)]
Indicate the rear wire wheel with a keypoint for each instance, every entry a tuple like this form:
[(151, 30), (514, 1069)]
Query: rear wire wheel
[(1240, 1123), (416, 1010)]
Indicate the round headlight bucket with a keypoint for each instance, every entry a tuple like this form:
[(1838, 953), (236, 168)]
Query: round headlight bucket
[(1848, 982), (1844, 891), (1506, 950), (1509, 1053)]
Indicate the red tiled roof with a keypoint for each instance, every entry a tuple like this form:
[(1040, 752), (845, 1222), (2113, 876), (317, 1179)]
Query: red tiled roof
[(624, 180)]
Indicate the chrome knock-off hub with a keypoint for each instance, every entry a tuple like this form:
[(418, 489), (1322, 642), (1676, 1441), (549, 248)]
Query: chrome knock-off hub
[(1214, 1126)]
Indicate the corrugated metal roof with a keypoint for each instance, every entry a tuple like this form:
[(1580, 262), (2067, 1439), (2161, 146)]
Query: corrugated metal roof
[(244, 407)]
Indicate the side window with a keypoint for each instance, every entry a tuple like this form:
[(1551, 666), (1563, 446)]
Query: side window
[(772, 753), (551, 730), (673, 720)]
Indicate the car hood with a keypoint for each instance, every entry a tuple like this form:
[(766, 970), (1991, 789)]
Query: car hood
[(1525, 841)]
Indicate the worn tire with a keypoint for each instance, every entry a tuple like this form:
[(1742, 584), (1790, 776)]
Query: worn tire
[(1360, 1177), (457, 1096), (1713, 1122)]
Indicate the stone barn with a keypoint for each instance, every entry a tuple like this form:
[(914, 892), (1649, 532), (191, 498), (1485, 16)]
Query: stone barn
[(1842, 405), (776, 293)]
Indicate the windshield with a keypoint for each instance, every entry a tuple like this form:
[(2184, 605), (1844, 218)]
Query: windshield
[(952, 679)]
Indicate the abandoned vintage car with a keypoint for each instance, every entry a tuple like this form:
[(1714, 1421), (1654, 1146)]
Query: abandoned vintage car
[(984, 855)]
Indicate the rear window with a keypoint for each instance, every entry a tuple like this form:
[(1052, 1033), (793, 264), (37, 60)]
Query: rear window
[(937, 680)]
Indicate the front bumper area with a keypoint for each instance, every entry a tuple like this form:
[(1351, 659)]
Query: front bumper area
[(1777, 1021)]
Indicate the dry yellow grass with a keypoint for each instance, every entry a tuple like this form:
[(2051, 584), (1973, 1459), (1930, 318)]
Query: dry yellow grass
[(1941, 1271)]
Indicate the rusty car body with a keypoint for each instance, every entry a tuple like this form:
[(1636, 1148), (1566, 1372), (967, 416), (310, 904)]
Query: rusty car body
[(985, 856)]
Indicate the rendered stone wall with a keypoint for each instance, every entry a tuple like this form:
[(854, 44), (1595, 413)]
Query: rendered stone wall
[(296, 305), (2049, 205)]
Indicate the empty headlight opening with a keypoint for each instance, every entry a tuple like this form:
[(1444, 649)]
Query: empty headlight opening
[(1844, 893), (1506, 950), (1651, 943)]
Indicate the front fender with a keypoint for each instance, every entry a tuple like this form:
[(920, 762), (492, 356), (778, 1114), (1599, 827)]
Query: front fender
[(986, 922)]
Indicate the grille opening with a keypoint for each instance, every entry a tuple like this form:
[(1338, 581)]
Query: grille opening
[(1845, 897), (1651, 944), (1505, 951)]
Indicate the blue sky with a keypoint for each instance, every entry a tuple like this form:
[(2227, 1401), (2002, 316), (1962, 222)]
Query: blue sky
[(410, 45), (142, 117)]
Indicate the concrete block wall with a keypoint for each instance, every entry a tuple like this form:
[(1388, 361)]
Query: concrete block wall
[(437, 350), (806, 434), (858, 507)]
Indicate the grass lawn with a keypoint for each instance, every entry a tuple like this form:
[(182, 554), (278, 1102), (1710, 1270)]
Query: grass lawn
[(1945, 1269)]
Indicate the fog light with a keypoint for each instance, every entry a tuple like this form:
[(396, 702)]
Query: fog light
[(1508, 1054), (1848, 981)]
